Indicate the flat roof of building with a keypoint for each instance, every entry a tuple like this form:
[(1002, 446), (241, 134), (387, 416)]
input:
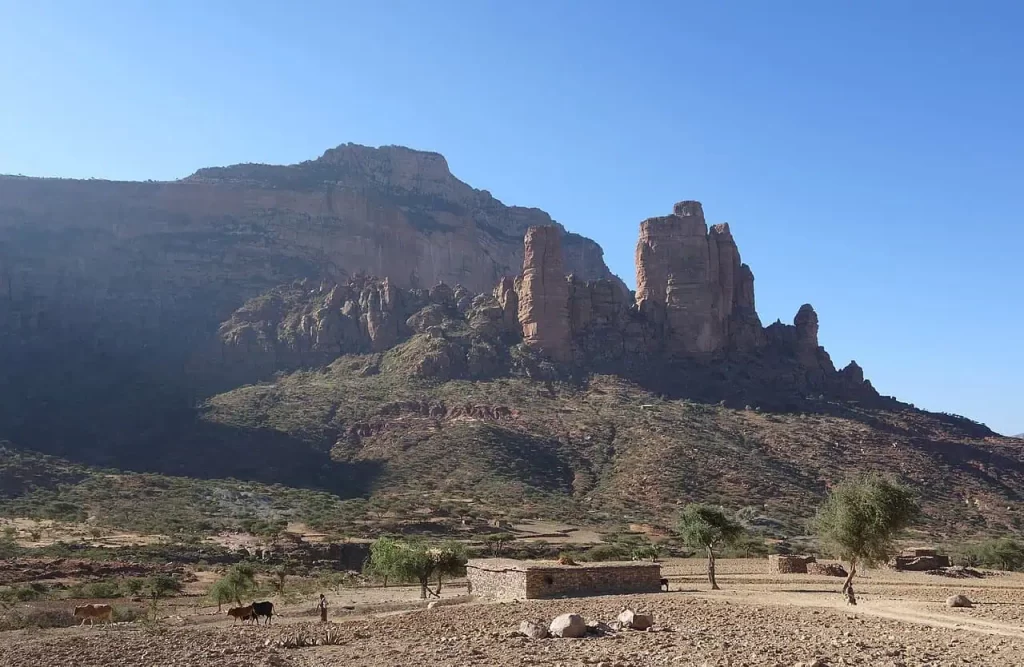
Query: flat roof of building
[(514, 565)]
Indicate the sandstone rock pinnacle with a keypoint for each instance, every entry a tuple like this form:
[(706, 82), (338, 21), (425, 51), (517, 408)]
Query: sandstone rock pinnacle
[(544, 294), (690, 281)]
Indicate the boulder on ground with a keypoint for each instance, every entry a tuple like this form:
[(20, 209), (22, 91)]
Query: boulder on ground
[(958, 601), (630, 619), (534, 629), (568, 625)]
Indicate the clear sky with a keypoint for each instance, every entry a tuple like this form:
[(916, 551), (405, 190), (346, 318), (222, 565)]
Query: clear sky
[(869, 155)]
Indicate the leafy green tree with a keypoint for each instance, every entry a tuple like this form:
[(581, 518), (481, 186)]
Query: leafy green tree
[(860, 520), (706, 527), (416, 560), (497, 541), (162, 585), (384, 562), (239, 582), (1004, 553)]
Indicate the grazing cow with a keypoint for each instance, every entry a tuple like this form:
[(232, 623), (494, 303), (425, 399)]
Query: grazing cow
[(242, 613), (664, 584), (94, 612), (263, 609)]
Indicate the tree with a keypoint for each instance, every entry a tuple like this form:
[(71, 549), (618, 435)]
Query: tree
[(280, 574), (497, 542), (860, 520), (705, 527), (160, 586), (415, 560), (239, 582), (1003, 553)]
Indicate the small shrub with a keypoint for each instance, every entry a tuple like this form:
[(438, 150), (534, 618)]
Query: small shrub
[(605, 552), (36, 618), (95, 589), (125, 615)]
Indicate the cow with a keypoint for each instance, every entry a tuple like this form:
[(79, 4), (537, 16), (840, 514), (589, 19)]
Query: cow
[(263, 609), (664, 584), (94, 612), (242, 613)]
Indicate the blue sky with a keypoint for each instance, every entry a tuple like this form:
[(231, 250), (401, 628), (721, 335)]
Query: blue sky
[(869, 155)]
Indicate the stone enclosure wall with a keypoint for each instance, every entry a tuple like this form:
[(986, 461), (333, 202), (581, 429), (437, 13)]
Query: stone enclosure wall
[(508, 579)]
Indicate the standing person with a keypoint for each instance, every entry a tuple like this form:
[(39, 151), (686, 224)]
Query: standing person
[(322, 606)]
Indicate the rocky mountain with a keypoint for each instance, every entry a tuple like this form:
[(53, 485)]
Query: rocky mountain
[(108, 290), (367, 324), (691, 330)]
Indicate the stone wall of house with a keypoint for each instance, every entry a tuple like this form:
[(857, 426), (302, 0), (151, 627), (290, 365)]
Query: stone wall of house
[(596, 579), (497, 578), (506, 579)]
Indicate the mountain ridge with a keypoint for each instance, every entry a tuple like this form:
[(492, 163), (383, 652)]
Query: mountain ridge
[(367, 324)]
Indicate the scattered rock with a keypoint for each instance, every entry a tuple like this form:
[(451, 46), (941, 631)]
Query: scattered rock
[(534, 629), (630, 619), (958, 601), (569, 626)]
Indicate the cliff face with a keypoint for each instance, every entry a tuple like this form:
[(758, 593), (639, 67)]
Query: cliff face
[(692, 329), (117, 289), (227, 234)]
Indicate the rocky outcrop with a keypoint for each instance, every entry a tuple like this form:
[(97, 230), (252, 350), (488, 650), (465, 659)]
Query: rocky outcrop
[(544, 295), (696, 328), (692, 285)]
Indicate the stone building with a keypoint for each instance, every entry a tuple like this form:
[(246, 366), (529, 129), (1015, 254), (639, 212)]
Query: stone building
[(508, 579), (789, 564), (919, 560)]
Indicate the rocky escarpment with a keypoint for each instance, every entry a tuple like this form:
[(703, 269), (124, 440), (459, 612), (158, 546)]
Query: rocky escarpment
[(111, 293), (692, 327)]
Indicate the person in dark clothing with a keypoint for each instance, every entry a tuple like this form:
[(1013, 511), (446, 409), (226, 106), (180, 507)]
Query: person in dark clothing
[(322, 606)]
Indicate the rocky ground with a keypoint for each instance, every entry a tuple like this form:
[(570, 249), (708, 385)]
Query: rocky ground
[(756, 620)]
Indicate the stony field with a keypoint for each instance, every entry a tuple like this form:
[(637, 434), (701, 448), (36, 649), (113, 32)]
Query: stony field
[(757, 619)]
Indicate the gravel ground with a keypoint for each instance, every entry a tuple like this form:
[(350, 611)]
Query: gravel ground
[(696, 630), (758, 620)]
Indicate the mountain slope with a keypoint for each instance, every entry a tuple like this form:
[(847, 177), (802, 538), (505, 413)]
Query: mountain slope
[(607, 449)]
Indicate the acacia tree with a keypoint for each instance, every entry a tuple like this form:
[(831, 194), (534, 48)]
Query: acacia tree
[(497, 542), (860, 520), (706, 527), (415, 560), (239, 582)]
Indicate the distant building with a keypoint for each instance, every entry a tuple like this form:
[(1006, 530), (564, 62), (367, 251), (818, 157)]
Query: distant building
[(507, 579)]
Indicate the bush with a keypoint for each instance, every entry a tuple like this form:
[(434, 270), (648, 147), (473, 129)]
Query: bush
[(95, 589), (1004, 553), (37, 618), (27, 593), (605, 552), (125, 615)]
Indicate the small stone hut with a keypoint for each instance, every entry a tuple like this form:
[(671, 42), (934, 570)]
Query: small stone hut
[(788, 564), (508, 579), (919, 560)]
